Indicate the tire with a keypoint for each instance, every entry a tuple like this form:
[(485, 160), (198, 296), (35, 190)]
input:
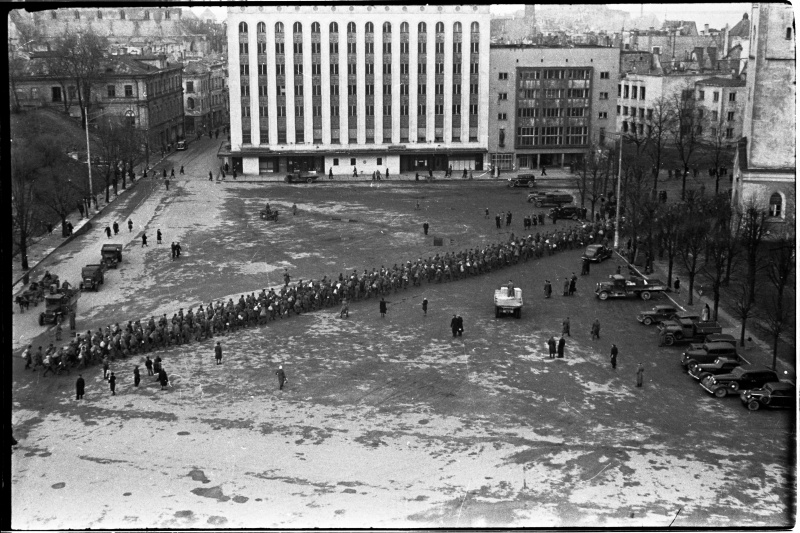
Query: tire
[(704, 375), (539, 204), (497, 312), (679, 335), (720, 392), (575, 217), (766, 400), (753, 405), (669, 340), (41, 319), (309, 180), (530, 185), (734, 387), (645, 295), (518, 313), (647, 321)]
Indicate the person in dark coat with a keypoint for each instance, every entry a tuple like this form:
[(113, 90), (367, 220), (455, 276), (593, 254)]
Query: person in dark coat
[(158, 236), (387, 173), (116, 228), (218, 353), (454, 325), (508, 219), (425, 306), (210, 176), (136, 377), (80, 208), (166, 183), (551, 343), (566, 287), (561, 344), (164, 172), (281, 377), (614, 353), (163, 379), (639, 375), (565, 327), (425, 227), (572, 284), (148, 363), (459, 325), (497, 221), (548, 289), (383, 307), (596, 329), (112, 383), (144, 240), (80, 386), (157, 365), (108, 232), (330, 173), (181, 169)]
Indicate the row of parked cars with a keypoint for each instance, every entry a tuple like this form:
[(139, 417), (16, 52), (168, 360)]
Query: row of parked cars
[(713, 361), (92, 276)]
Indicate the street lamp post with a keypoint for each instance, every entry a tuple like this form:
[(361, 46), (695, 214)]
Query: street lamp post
[(619, 192)]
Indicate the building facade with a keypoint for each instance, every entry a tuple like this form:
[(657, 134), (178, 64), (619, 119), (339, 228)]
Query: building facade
[(765, 162), (722, 101), (548, 106), (338, 88), (197, 97), (219, 92)]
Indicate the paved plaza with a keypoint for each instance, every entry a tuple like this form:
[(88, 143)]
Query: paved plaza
[(384, 422)]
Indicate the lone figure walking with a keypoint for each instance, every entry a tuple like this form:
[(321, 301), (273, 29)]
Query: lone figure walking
[(281, 377), (639, 375), (383, 307), (218, 353), (614, 353), (80, 385)]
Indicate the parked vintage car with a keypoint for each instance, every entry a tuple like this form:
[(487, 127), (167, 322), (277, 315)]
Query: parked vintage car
[(708, 352), (721, 365), (565, 212), (301, 177), (111, 255), (92, 277), (780, 394), (686, 330), (523, 180), (552, 198), (721, 337), (657, 314), (183, 144), (745, 377), (597, 253)]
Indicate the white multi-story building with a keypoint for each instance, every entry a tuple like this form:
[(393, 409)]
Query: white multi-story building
[(337, 87)]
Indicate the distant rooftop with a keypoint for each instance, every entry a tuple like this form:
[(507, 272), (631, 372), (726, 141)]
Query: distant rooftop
[(723, 82)]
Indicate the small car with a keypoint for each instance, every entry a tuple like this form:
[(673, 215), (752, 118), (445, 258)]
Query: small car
[(657, 314), (597, 253), (721, 365), (181, 145), (780, 394), (301, 177), (553, 198), (741, 378), (568, 211), (523, 180), (708, 353)]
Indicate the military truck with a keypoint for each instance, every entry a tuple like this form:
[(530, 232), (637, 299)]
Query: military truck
[(92, 277), (111, 255), (619, 287), (505, 304), (685, 330), (59, 305)]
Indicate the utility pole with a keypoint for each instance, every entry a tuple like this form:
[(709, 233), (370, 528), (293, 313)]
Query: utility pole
[(619, 200), (88, 152)]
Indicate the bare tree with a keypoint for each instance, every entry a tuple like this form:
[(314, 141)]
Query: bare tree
[(24, 169), (669, 225), (780, 266), (55, 190), (110, 139), (589, 181), (686, 133), (81, 55), (743, 305), (692, 242), (754, 228), (714, 147), (657, 134)]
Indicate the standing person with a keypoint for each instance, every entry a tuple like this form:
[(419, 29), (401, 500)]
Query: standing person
[(454, 325), (177, 249), (706, 313), (487, 213), (424, 307), (218, 353), (355, 172), (565, 327), (387, 173), (148, 363), (172, 250), (166, 182), (425, 227), (210, 176), (382, 307), (544, 171), (460, 325), (136, 377), (158, 236), (281, 377), (112, 383), (677, 285), (330, 173), (116, 228), (144, 240), (561, 344), (164, 172), (497, 221), (172, 172), (108, 232), (566, 286), (294, 209), (163, 379), (58, 330), (551, 343), (181, 170), (639, 375), (130, 225), (548, 289), (596, 329), (463, 175), (572, 284), (344, 312), (28, 357), (80, 208), (80, 386), (508, 219), (614, 353)]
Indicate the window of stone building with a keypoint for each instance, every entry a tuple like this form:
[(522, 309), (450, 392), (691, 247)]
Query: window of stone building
[(56, 92), (190, 103), (129, 91), (122, 14), (112, 91), (53, 15), (279, 27), (732, 97), (730, 116), (729, 133), (789, 33), (99, 15), (77, 15), (167, 14), (716, 96), (146, 15), (261, 28), (334, 28), (776, 205)]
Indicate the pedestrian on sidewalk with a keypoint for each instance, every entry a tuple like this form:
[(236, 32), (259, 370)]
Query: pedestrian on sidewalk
[(677, 286), (181, 170), (281, 377), (144, 240), (210, 176), (116, 228), (463, 175), (164, 172), (387, 173), (382, 308), (330, 173), (355, 172), (454, 325), (158, 236), (112, 383), (28, 357), (218, 353), (544, 171), (566, 287), (639, 375), (573, 284), (706, 314), (172, 250), (130, 225), (136, 377), (80, 208), (148, 363), (172, 173), (108, 232)]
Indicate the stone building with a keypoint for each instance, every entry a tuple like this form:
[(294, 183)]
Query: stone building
[(144, 91), (765, 162), (336, 87), (548, 106), (197, 97), (722, 100), (220, 116)]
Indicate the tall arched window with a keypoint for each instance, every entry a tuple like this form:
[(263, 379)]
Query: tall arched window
[(439, 27), (122, 14), (776, 205), (474, 27), (242, 27), (261, 28), (351, 27), (297, 28), (387, 28), (404, 27), (369, 28), (279, 27), (315, 27), (457, 27), (190, 103), (334, 27), (99, 14), (422, 28)]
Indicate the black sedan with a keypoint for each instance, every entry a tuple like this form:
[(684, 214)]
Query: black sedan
[(779, 394), (597, 253)]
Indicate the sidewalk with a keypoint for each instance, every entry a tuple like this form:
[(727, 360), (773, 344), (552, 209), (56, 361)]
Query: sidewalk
[(43, 245), (756, 351)]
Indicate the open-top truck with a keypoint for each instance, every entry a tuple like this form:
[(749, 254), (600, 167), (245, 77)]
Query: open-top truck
[(59, 304), (686, 330), (619, 287), (506, 304)]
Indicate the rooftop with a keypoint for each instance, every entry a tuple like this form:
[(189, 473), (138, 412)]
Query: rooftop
[(723, 82)]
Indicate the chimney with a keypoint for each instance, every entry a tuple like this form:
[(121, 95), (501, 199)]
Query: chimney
[(706, 30)]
